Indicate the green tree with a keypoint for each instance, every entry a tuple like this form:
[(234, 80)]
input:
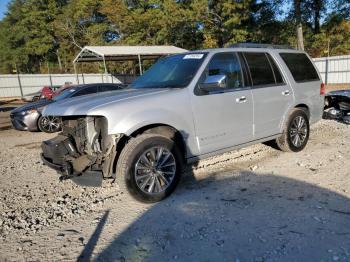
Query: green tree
[(225, 22), (35, 33), (12, 38), (155, 22), (333, 39), (28, 33)]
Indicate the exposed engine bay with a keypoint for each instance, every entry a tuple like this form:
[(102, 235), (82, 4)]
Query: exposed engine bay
[(83, 145), (337, 106)]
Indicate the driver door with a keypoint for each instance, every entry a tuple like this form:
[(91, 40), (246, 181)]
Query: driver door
[(223, 118)]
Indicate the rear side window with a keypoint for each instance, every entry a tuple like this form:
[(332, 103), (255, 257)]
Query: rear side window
[(260, 69), (106, 88), (276, 71), (86, 91), (300, 67)]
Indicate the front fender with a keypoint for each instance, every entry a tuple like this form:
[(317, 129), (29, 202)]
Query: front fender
[(134, 121)]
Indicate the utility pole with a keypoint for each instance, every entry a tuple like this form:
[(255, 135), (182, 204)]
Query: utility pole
[(327, 63), (48, 71), (19, 81), (297, 7), (300, 37)]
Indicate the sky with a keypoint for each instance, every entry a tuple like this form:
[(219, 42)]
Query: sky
[(3, 8)]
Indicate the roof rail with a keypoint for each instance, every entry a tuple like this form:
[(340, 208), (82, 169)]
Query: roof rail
[(257, 45)]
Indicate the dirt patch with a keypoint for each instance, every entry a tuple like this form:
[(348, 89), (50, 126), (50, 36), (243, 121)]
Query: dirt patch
[(254, 204), (5, 127)]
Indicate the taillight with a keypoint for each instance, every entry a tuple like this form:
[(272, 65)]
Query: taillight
[(322, 89)]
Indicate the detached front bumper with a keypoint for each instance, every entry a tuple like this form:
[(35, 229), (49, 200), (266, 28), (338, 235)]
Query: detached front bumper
[(61, 169), (89, 178), (59, 154), (55, 153)]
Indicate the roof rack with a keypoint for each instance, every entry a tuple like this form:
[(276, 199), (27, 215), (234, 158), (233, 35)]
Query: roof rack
[(257, 45)]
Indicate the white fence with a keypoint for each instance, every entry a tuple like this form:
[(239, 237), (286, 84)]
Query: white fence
[(25, 84), (334, 69)]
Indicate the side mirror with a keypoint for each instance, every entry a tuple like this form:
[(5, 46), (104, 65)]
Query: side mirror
[(213, 83)]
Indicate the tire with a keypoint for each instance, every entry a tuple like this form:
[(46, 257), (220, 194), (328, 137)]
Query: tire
[(296, 134), (49, 124), (134, 167)]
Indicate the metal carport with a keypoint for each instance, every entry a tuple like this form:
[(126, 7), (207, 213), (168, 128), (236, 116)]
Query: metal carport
[(124, 53)]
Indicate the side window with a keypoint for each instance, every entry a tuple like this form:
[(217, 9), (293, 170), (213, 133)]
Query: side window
[(276, 71), (260, 69), (86, 91), (226, 64), (106, 88), (247, 79), (300, 67)]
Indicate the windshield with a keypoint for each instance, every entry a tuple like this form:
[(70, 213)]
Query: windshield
[(64, 94), (172, 71)]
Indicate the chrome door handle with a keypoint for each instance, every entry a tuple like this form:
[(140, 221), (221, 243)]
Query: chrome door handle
[(286, 93), (242, 99)]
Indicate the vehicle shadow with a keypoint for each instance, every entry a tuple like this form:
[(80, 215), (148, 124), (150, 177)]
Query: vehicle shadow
[(7, 108), (89, 247), (238, 216), (7, 102), (6, 127)]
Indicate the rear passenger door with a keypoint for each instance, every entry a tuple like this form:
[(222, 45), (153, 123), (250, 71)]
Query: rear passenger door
[(306, 83), (271, 94)]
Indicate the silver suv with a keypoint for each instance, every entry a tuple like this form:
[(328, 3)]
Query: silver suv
[(186, 107)]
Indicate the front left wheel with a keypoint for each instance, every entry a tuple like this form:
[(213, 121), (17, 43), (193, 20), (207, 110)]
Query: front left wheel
[(149, 167)]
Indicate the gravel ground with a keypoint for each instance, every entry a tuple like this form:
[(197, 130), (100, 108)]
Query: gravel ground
[(255, 204)]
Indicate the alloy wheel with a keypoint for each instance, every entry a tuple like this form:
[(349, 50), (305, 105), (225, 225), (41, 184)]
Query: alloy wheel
[(50, 124), (155, 170), (298, 131)]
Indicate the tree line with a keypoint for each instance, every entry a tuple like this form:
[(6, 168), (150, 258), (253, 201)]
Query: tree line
[(37, 36)]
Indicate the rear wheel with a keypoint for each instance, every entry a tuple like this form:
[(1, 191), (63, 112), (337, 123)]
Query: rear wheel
[(296, 132), (149, 167), (49, 124)]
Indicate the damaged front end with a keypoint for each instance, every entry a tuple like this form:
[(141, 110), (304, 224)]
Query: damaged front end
[(83, 151)]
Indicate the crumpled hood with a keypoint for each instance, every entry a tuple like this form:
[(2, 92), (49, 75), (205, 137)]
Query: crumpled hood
[(84, 105), (33, 105)]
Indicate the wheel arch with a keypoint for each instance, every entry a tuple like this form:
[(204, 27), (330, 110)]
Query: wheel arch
[(157, 128), (164, 130), (305, 108), (37, 121), (285, 118)]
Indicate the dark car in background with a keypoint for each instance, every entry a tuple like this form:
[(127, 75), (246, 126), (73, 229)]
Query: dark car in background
[(28, 117), (337, 106)]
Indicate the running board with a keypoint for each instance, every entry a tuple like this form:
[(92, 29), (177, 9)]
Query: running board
[(228, 149)]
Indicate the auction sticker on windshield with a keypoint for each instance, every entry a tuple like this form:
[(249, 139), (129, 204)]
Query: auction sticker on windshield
[(193, 56)]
